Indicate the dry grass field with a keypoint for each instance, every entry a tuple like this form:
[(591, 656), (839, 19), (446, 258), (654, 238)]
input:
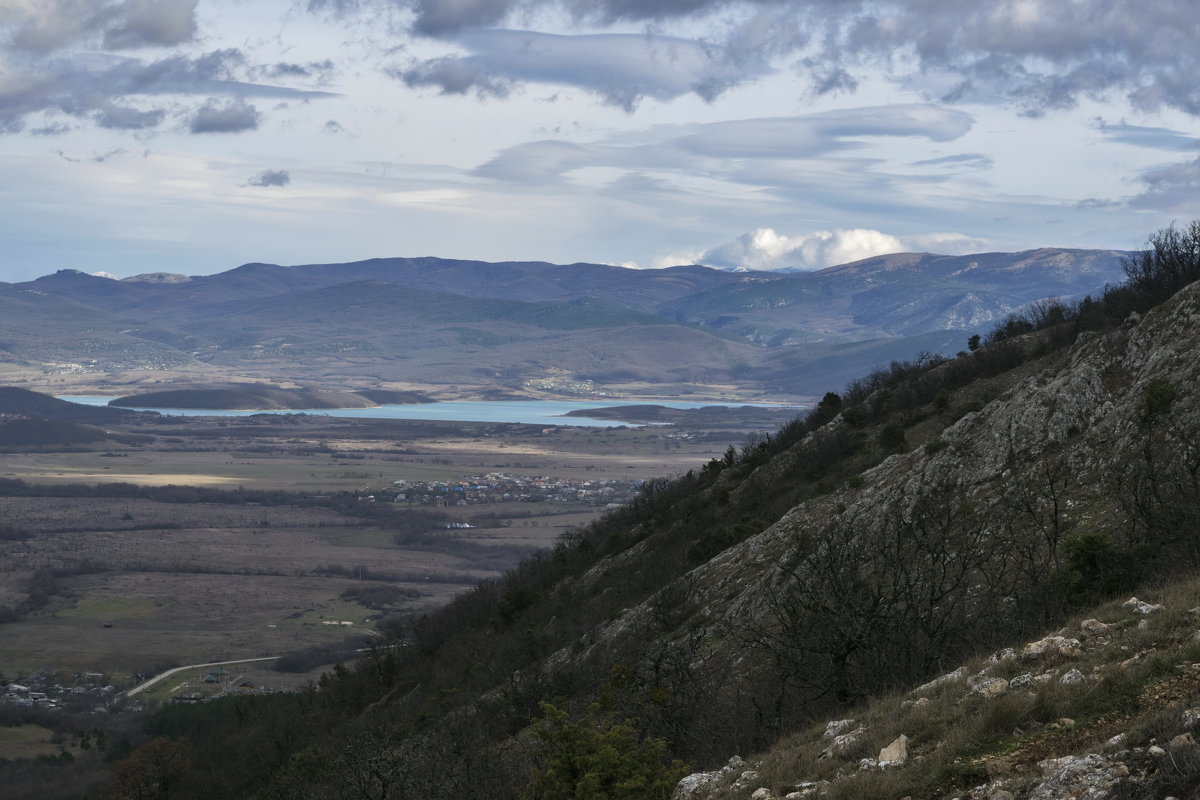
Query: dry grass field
[(144, 584), (27, 741)]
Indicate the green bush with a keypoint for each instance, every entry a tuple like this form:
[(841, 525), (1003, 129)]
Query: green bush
[(590, 759), (1160, 394), (891, 437)]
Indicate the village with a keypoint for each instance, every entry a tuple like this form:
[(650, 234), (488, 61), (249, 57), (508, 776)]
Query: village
[(500, 487), (88, 691)]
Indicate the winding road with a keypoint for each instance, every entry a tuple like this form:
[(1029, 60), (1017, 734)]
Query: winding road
[(163, 675)]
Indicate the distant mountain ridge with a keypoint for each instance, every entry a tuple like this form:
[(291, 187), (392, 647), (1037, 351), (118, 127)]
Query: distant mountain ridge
[(430, 321)]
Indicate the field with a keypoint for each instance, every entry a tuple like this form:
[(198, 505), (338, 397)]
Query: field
[(27, 741), (124, 582)]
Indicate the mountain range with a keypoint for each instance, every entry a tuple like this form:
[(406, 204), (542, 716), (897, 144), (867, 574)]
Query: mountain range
[(429, 322)]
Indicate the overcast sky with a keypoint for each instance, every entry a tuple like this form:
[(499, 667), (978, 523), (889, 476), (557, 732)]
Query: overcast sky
[(196, 135)]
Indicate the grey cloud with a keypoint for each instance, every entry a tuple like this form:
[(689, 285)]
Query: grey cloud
[(56, 129), (620, 68), (150, 23), (1155, 138), (271, 177), (112, 115), (232, 117), (1173, 189), (320, 71), (94, 86), (453, 76), (98, 158), (51, 25), (971, 160), (791, 137), (1037, 56), (440, 17), (766, 144)]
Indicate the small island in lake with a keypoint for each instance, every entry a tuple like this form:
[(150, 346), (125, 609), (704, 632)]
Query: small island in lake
[(258, 397)]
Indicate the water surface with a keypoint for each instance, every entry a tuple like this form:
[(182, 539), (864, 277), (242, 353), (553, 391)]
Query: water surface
[(529, 412)]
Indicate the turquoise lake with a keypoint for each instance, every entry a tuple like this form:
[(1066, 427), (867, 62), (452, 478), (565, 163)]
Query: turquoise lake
[(530, 412)]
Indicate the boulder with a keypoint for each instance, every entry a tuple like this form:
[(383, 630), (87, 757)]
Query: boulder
[(895, 753), (701, 784), (1072, 677), (1001, 656), (1088, 776), (1052, 645), (1021, 681), (1141, 607), (842, 743), (991, 687), (957, 675), (838, 726)]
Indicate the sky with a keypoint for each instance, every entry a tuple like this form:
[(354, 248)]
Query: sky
[(191, 136)]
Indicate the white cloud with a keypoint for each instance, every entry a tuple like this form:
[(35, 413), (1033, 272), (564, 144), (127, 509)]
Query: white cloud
[(766, 249)]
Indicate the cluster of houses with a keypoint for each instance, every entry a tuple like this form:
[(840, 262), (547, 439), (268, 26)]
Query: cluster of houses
[(583, 388), (216, 683), (88, 690), (499, 487)]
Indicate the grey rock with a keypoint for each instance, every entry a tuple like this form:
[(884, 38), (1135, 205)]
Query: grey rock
[(1072, 677)]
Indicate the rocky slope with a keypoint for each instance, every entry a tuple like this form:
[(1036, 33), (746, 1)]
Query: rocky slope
[(1100, 441)]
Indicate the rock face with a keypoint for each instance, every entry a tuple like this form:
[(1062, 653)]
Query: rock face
[(704, 784), (1090, 776), (1056, 431), (1074, 429)]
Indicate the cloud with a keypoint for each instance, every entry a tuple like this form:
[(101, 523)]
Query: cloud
[(232, 117), (1174, 188), (1150, 137), (620, 68), (727, 147), (44, 26), (150, 23), (99, 86), (112, 115), (968, 160), (765, 249), (453, 76), (271, 177), (320, 71), (1038, 56)]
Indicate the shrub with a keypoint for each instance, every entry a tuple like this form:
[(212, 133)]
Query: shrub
[(590, 759), (891, 437), (1160, 394)]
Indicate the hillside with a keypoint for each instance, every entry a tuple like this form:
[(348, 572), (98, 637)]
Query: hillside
[(432, 324), (18, 402), (934, 513), (29, 434)]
